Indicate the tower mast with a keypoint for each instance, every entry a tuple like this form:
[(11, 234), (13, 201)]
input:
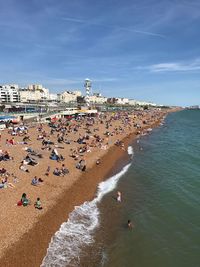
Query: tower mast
[(87, 86)]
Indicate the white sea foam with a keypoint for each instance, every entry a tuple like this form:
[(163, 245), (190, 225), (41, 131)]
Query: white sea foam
[(104, 259), (65, 246), (130, 150)]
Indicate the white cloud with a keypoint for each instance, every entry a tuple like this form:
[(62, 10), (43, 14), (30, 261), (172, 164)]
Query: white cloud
[(174, 66)]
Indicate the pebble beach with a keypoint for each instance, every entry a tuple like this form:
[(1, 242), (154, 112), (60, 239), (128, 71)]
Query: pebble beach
[(94, 142)]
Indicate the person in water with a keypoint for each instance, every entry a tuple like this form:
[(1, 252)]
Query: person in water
[(129, 224), (119, 196)]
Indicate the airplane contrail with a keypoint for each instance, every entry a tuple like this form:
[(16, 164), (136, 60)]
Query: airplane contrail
[(114, 27)]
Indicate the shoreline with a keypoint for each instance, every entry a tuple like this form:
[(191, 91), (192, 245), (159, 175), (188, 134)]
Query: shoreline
[(31, 248)]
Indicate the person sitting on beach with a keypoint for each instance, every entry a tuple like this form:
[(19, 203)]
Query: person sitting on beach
[(24, 200), (48, 142), (103, 147), (4, 155), (67, 141), (12, 141), (2, 171), (81, 165), (26, 138), (6, 183), (80, 140), (74, 154), (88, 149), (60, 139), (64, 170), (40, 137), (47, 171), (7, 142), (78, 165), (57, 172), (15, 179), (14, 133), (52, 131), (1, 186), (35, 181), (54, 154), (98, 161), (38, 204), (60, 158)]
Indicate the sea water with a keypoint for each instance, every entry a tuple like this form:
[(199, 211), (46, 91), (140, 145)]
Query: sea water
[(66, 245), (160, 194)]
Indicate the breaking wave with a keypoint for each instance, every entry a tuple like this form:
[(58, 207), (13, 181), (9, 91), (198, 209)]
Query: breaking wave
[(66, 245), (130, 150)]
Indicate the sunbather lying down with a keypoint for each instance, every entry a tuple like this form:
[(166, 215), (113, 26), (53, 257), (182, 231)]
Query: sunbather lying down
[(23, 168), (55, 156), (29, 161), (33, 152)]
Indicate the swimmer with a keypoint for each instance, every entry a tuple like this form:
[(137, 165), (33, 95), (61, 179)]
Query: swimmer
[(129, 224)]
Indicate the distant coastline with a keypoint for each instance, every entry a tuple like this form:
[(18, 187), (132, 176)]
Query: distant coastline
[(196, 107)]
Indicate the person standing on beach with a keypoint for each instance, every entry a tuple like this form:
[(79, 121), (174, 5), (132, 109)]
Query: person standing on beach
[(119, 196)]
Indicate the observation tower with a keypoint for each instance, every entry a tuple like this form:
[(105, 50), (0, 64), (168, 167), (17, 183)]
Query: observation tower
[(87, 86)]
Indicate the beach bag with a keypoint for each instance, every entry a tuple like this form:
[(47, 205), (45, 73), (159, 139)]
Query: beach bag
[(19, 203)]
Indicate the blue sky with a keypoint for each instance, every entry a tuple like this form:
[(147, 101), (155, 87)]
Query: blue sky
[(145, 49)]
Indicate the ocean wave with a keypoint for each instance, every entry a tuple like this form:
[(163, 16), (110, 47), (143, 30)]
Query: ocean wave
[(130, 151), (65, 246)]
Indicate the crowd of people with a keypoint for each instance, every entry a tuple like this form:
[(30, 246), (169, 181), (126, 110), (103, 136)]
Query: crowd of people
[(46, 167), (82, 135)]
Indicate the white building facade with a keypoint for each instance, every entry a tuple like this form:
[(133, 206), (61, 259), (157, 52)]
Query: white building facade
[(9, 93), (69, 96), (53, 97), (132, 102), (34, 93), (97, 99), (122, 101)]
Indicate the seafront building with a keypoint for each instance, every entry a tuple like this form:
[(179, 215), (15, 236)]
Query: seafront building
[(53, 97), (9, 93), (37, 94), (97, 98), (134, 102), (69, 96), (118, 101), (34, 93)]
